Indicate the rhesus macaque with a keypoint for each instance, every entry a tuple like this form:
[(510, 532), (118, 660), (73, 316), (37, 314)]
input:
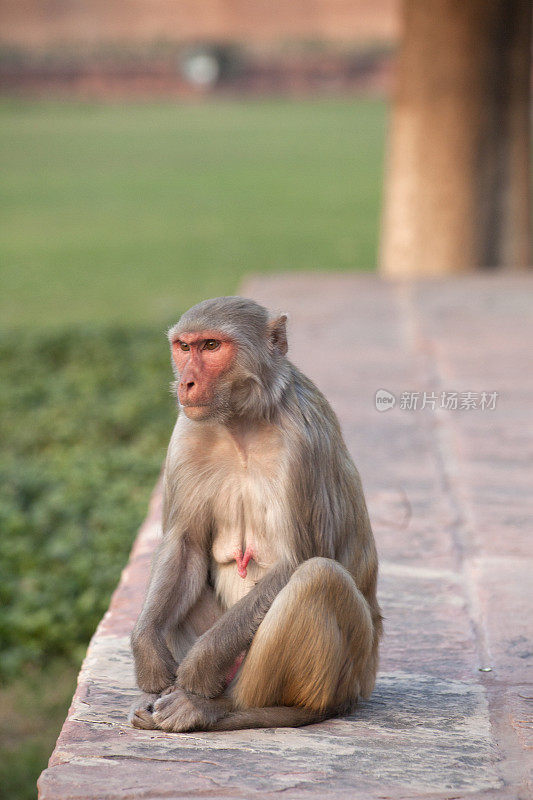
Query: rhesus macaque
[(261, 609)]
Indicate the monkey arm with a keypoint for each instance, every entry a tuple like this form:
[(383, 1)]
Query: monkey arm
[(204, 669), (178, 573)]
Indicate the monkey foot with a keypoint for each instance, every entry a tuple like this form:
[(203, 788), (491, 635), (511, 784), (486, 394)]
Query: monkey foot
[(141, 711), (181, 711)]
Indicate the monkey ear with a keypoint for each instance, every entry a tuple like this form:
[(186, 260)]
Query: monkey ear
[(277, 334)]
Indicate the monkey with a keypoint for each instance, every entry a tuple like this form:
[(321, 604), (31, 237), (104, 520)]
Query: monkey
[(261, 608)]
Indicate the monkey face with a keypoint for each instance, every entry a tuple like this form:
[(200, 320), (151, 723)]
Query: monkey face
[(202, 359)]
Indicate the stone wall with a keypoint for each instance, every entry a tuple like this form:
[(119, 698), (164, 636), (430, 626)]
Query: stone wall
[(40, 23)]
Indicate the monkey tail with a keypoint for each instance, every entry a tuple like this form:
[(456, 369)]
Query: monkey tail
[(269, 717)]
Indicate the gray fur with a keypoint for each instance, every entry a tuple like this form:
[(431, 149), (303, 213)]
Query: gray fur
[(296, 484)]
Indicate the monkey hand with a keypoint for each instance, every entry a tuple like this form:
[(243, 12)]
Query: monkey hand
[(140, 713), (179, 711), (200, 674)]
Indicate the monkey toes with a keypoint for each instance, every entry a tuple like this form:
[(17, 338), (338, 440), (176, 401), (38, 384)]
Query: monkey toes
[(140, 713), (177, 712)]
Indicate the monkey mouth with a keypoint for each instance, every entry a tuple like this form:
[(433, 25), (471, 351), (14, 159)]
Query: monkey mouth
[(196, 411)]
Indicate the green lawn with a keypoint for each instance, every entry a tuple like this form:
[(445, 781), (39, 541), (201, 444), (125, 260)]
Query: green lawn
[(85, 416), (130, 213), (114, 219)]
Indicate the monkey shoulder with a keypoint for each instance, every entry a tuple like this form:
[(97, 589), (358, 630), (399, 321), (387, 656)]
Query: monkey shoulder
[(317, 432), (328, 494)]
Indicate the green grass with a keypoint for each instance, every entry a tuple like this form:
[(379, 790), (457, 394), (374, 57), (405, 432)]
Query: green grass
[(85, 417), (114, 220), (33, 707), (130, 213)]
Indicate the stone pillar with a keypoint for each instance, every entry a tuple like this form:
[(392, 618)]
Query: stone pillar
[(457, 193)]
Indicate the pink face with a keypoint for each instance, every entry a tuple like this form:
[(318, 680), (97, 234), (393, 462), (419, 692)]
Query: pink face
[(200, 358)]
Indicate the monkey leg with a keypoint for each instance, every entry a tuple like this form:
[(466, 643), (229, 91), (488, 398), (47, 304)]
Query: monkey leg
[(179, 638), (309, 659), (313, 648)]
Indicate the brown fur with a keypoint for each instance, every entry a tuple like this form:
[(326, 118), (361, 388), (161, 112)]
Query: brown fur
[(268, 469)]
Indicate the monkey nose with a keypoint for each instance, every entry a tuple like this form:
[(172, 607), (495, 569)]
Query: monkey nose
[(187, 391)]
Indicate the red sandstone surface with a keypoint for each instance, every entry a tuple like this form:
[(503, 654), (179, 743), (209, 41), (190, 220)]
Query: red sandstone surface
[(450, 498), (40, 23)]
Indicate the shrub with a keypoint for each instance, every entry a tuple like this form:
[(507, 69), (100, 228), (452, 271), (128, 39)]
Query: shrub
[(85, 416)]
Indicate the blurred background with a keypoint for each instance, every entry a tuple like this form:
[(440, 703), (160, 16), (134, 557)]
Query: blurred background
[(153, 152)]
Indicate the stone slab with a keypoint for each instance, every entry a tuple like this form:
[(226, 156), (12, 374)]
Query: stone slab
[(417, 733), (450, 499)]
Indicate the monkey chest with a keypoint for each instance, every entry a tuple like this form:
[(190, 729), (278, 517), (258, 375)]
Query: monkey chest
[(247, 533)]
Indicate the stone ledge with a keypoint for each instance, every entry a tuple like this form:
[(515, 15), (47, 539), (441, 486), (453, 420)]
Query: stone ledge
[(456, 591)]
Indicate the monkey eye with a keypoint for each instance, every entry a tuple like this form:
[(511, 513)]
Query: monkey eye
[(184, 346), (211, 344)]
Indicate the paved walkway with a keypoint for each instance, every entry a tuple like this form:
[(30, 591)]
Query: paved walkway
[(450, 496)]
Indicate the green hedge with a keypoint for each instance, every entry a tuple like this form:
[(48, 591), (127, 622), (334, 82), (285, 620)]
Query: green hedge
[(85, 416)]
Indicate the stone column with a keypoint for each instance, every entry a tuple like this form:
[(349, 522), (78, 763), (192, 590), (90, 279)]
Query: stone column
[(457, 193)]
